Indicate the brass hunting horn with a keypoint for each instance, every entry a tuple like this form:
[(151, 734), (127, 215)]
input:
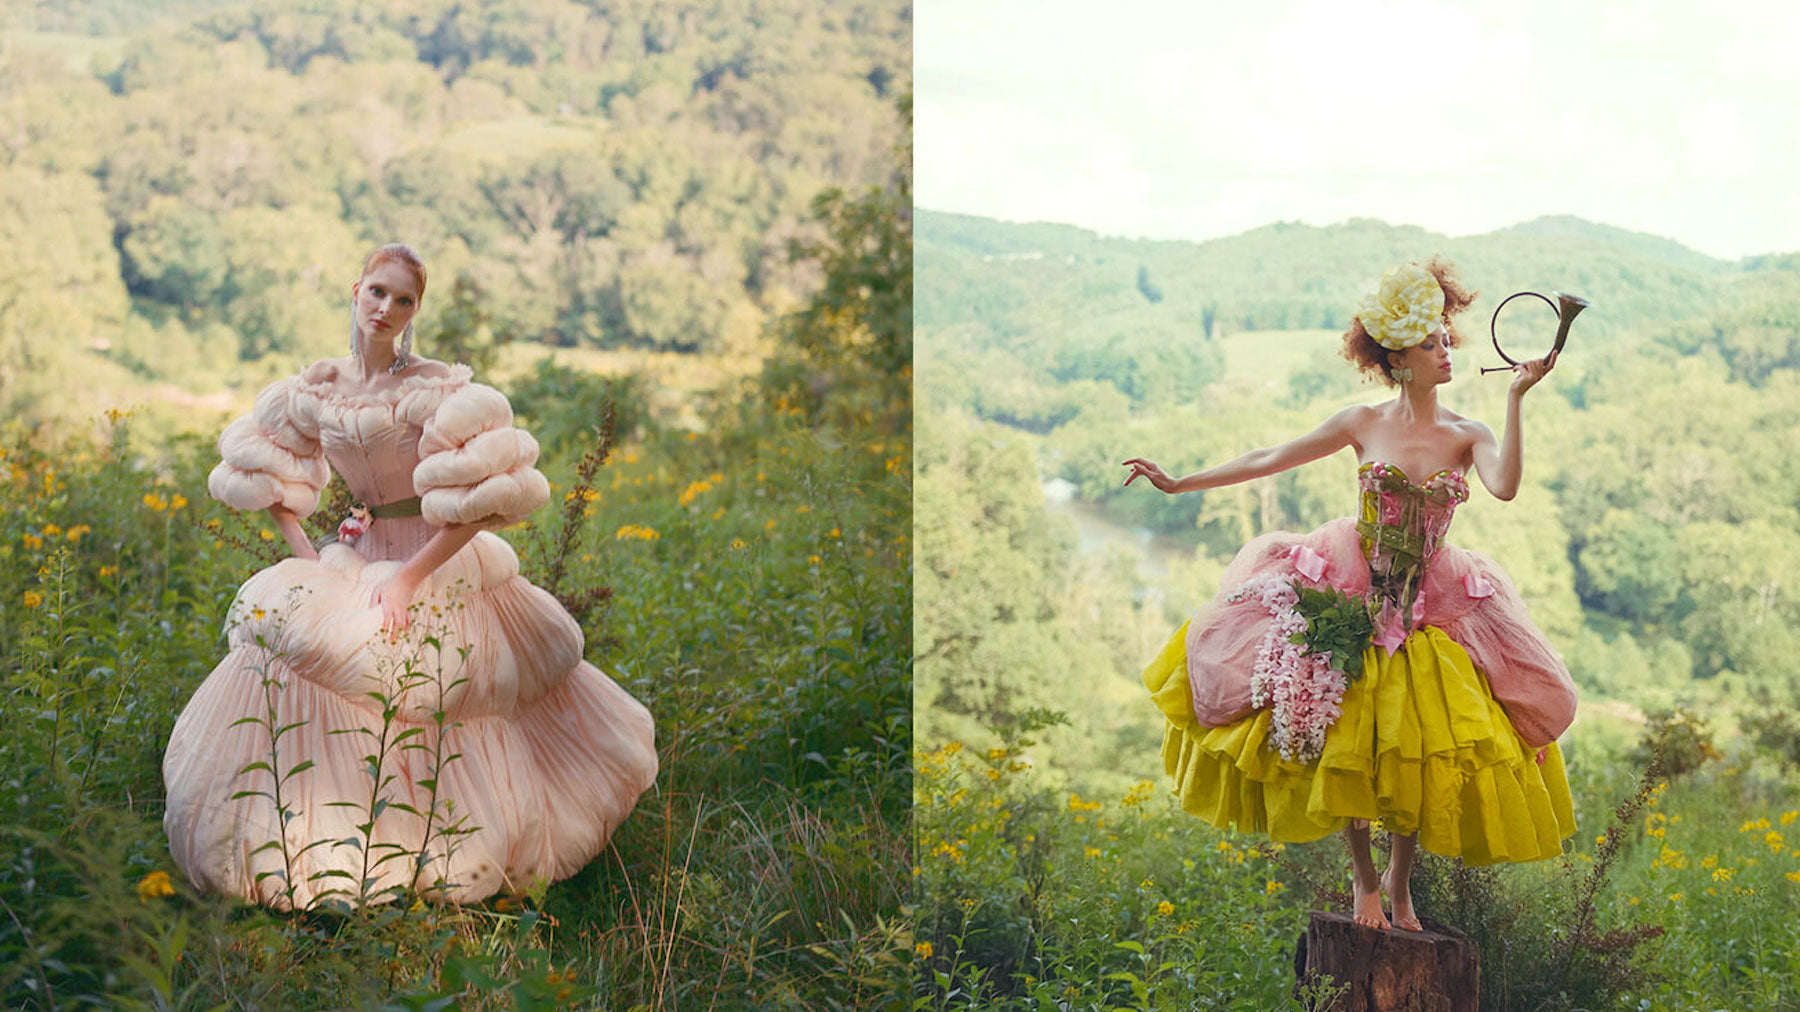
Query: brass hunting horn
[(1566, 307)]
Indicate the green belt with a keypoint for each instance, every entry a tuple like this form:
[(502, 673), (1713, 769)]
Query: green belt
[(398, 508), (1394, 539)]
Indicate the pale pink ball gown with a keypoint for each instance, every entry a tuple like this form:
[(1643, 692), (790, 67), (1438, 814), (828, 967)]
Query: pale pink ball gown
[(549, 753)]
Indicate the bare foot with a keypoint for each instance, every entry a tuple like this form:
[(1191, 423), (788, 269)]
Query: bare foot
[(1366, 908), (1404, 917)]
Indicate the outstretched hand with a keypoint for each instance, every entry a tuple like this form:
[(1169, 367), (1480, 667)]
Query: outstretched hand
[(1526, 374), (1141, 468)]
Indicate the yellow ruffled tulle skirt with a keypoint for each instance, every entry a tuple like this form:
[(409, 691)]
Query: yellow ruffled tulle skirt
[(1421, 744)]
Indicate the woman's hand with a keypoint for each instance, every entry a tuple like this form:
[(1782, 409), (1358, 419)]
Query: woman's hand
[(1526, 374), (394, 598), (1141, 468)]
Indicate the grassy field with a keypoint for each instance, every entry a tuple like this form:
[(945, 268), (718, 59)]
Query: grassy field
[(1034, 900), (748, 583)]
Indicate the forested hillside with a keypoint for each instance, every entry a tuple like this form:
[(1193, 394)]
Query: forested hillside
[(188, 186), (1661, 499), (1654, 539)]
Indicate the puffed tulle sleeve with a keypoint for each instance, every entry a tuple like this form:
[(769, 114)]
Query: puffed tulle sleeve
[(272, 456), (474, 467)]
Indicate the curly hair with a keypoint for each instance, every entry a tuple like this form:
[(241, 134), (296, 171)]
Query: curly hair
[(1371, 358)]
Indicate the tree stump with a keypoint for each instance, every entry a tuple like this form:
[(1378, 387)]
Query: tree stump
[(1435, 970)]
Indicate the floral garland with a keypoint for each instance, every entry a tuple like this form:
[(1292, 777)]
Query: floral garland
[(1309, 655)]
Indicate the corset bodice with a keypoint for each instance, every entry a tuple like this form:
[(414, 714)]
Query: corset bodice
[(374, 447), (1402, 524)]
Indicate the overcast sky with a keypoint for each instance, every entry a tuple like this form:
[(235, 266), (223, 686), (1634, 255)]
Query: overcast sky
[(1199, 119)]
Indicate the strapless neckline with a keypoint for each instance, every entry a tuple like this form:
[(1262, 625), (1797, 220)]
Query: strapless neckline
[(1397, 469)]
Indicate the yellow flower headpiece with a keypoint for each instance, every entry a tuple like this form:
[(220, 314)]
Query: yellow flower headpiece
[(1399, 313)]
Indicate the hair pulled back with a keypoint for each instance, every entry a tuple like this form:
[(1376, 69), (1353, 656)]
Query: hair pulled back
[(1371, 358)]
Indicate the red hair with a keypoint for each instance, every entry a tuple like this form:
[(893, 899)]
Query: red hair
[(400, 253), (1371, 358)]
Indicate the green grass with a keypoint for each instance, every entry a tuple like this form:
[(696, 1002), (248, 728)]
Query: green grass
[(520, 137), (765, 623), (79, 51), (1272, 356), (1028, 899)]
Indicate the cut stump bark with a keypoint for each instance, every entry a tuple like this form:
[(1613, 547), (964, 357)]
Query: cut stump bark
[(1435, 970)]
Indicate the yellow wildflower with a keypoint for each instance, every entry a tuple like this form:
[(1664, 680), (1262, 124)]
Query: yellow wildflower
[(922, 950), (1165, 908), (1793, 876), (1788, 817), (33, 599), (996, 753), (1676, 897), (75, 533), (1092, 851), (177, 501), (1723, 874), (266, 534), (834, 533), (32, 541), (51, 530), (154, 886), (814, 559), (1774, 841), (108, 571), (1711, 861), (993, 774), (1078, 805), (1271, 887), (155, 502), (737, 543)]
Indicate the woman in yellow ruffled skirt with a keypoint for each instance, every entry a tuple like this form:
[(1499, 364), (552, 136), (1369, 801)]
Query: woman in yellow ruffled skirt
[(1367, 670)]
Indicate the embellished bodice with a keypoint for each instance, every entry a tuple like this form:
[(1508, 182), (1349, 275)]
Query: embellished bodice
[(1401, 525)]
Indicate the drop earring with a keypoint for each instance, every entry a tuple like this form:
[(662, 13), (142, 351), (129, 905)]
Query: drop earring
[(1403, 375), (404, 352)]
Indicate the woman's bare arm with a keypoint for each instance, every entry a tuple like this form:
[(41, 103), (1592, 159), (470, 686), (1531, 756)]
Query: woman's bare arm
[(1332, 435), (1501, 464), (291, 531)]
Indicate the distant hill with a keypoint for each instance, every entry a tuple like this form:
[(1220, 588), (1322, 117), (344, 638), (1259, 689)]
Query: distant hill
[(1654, 246), (1291, 275)]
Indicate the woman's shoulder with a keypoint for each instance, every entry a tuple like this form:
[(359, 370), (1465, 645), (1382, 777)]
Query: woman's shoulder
[(422, 368), (324, 372), (1470, 427), (338, 377)]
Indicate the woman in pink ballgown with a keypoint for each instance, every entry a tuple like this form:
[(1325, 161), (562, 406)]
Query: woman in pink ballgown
[(1369, 670), (505, 757)]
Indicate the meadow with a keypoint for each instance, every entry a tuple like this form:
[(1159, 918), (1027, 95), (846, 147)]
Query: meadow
[(1677, 893), (747, 582)]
